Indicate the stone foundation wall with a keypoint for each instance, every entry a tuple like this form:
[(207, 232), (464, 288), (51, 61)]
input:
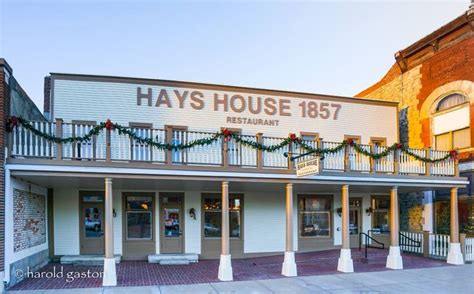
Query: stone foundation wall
[(31, 263), (411, 211)]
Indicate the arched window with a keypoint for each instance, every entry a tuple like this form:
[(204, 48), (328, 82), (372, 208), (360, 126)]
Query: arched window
[(451, 123), (451, 101)]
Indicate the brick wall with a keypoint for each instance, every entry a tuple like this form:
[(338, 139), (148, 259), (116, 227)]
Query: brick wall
[(412, 87), (4, 103), (29, 220)]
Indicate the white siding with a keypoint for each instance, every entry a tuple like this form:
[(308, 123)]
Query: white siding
[(97, 101), (264, 222), (66, 222), (117, 197), (192, 227)]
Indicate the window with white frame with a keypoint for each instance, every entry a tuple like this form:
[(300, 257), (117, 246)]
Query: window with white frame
[(451, 129)]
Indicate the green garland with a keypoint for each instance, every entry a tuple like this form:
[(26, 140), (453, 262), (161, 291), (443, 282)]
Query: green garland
[(12, 122)]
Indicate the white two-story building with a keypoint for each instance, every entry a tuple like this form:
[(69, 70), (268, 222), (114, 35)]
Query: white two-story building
[(132, 169)]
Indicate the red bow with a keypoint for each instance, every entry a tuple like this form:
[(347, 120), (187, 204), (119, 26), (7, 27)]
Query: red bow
[(13, 121), (226, 132), (398, 146), (109, 125), (293, 137), (350, 142), (453, 154)]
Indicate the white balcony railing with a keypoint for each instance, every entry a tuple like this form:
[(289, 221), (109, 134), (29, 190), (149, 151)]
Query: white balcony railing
[(117, 147)]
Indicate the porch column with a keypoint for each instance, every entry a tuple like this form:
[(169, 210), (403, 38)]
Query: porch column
[(344, 263), (110, 275), (394, 258), (289, 264), (455, 255), (225, 264)]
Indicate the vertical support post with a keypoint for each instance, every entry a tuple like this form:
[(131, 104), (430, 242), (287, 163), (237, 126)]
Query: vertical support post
[(321, 162), (426, 243), (225, 264), (396, 162), (289, 265), (372, 161), (168, 139), (462, 240), (347, 162), (59, 134), (225, 152), (345, 263), (394, 259), (427, 164), (259, 138), (454, 255), (108, 139), (290, 155), (110, 274), (456, 167)]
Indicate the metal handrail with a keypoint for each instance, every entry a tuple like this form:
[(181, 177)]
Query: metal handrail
[(367, 245), (413, 241)]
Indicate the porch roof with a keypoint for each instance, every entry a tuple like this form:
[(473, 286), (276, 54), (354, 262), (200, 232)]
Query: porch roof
[(51, 175)]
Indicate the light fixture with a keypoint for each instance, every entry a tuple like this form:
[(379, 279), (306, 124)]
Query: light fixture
[(192, 213), (369, 211)]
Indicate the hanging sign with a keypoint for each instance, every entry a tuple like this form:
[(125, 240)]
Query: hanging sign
[(308, 167)]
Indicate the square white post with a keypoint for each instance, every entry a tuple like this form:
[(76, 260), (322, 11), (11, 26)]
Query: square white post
[(225, 264), (289, 263), (110, 274), (345, 264), (394, 258), (454, 254)]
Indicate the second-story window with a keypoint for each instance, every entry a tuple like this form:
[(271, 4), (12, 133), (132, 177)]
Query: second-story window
[(451, 123)]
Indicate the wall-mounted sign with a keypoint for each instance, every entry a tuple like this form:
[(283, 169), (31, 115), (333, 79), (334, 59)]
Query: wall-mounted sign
[(240, 106), (308, 167)]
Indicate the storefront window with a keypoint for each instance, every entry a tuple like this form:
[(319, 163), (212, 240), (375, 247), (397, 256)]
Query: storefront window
[(139, 217), (315, 216), (213, 217), (380, 215)]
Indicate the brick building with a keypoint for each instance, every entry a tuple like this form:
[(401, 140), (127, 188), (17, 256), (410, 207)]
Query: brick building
[(433, 81)]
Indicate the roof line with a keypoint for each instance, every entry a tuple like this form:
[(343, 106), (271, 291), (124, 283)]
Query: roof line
[(145, 80)]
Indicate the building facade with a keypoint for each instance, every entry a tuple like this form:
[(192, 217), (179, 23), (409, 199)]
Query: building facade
[(136, 169), (433, 82)]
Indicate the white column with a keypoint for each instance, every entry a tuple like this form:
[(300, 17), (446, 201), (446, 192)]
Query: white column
[(225, 264), (455, 254), (394, 258), (289, 264), (110, 274), (345, 264)]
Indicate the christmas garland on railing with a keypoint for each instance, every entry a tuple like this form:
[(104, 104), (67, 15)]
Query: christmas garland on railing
[(226, 134)]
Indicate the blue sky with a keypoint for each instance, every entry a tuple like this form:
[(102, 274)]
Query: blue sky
[(337, 48)]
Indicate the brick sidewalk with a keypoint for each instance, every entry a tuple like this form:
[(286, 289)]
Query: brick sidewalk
[(141, 273)]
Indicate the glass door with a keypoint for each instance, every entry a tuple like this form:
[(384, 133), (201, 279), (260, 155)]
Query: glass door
[(172, 222), (92, 224), (355, 220)]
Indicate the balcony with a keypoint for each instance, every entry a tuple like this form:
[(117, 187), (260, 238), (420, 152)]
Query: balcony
[(223, 153)]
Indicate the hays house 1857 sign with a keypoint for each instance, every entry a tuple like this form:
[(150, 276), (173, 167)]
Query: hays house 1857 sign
[(237, 105)]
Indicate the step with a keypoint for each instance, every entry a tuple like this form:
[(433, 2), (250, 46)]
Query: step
[(174, 262), (159, 258), (91, 259)]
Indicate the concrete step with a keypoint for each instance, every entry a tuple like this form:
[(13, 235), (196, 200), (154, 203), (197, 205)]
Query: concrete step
[(174, 262), (86, 259), (160, 258)]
